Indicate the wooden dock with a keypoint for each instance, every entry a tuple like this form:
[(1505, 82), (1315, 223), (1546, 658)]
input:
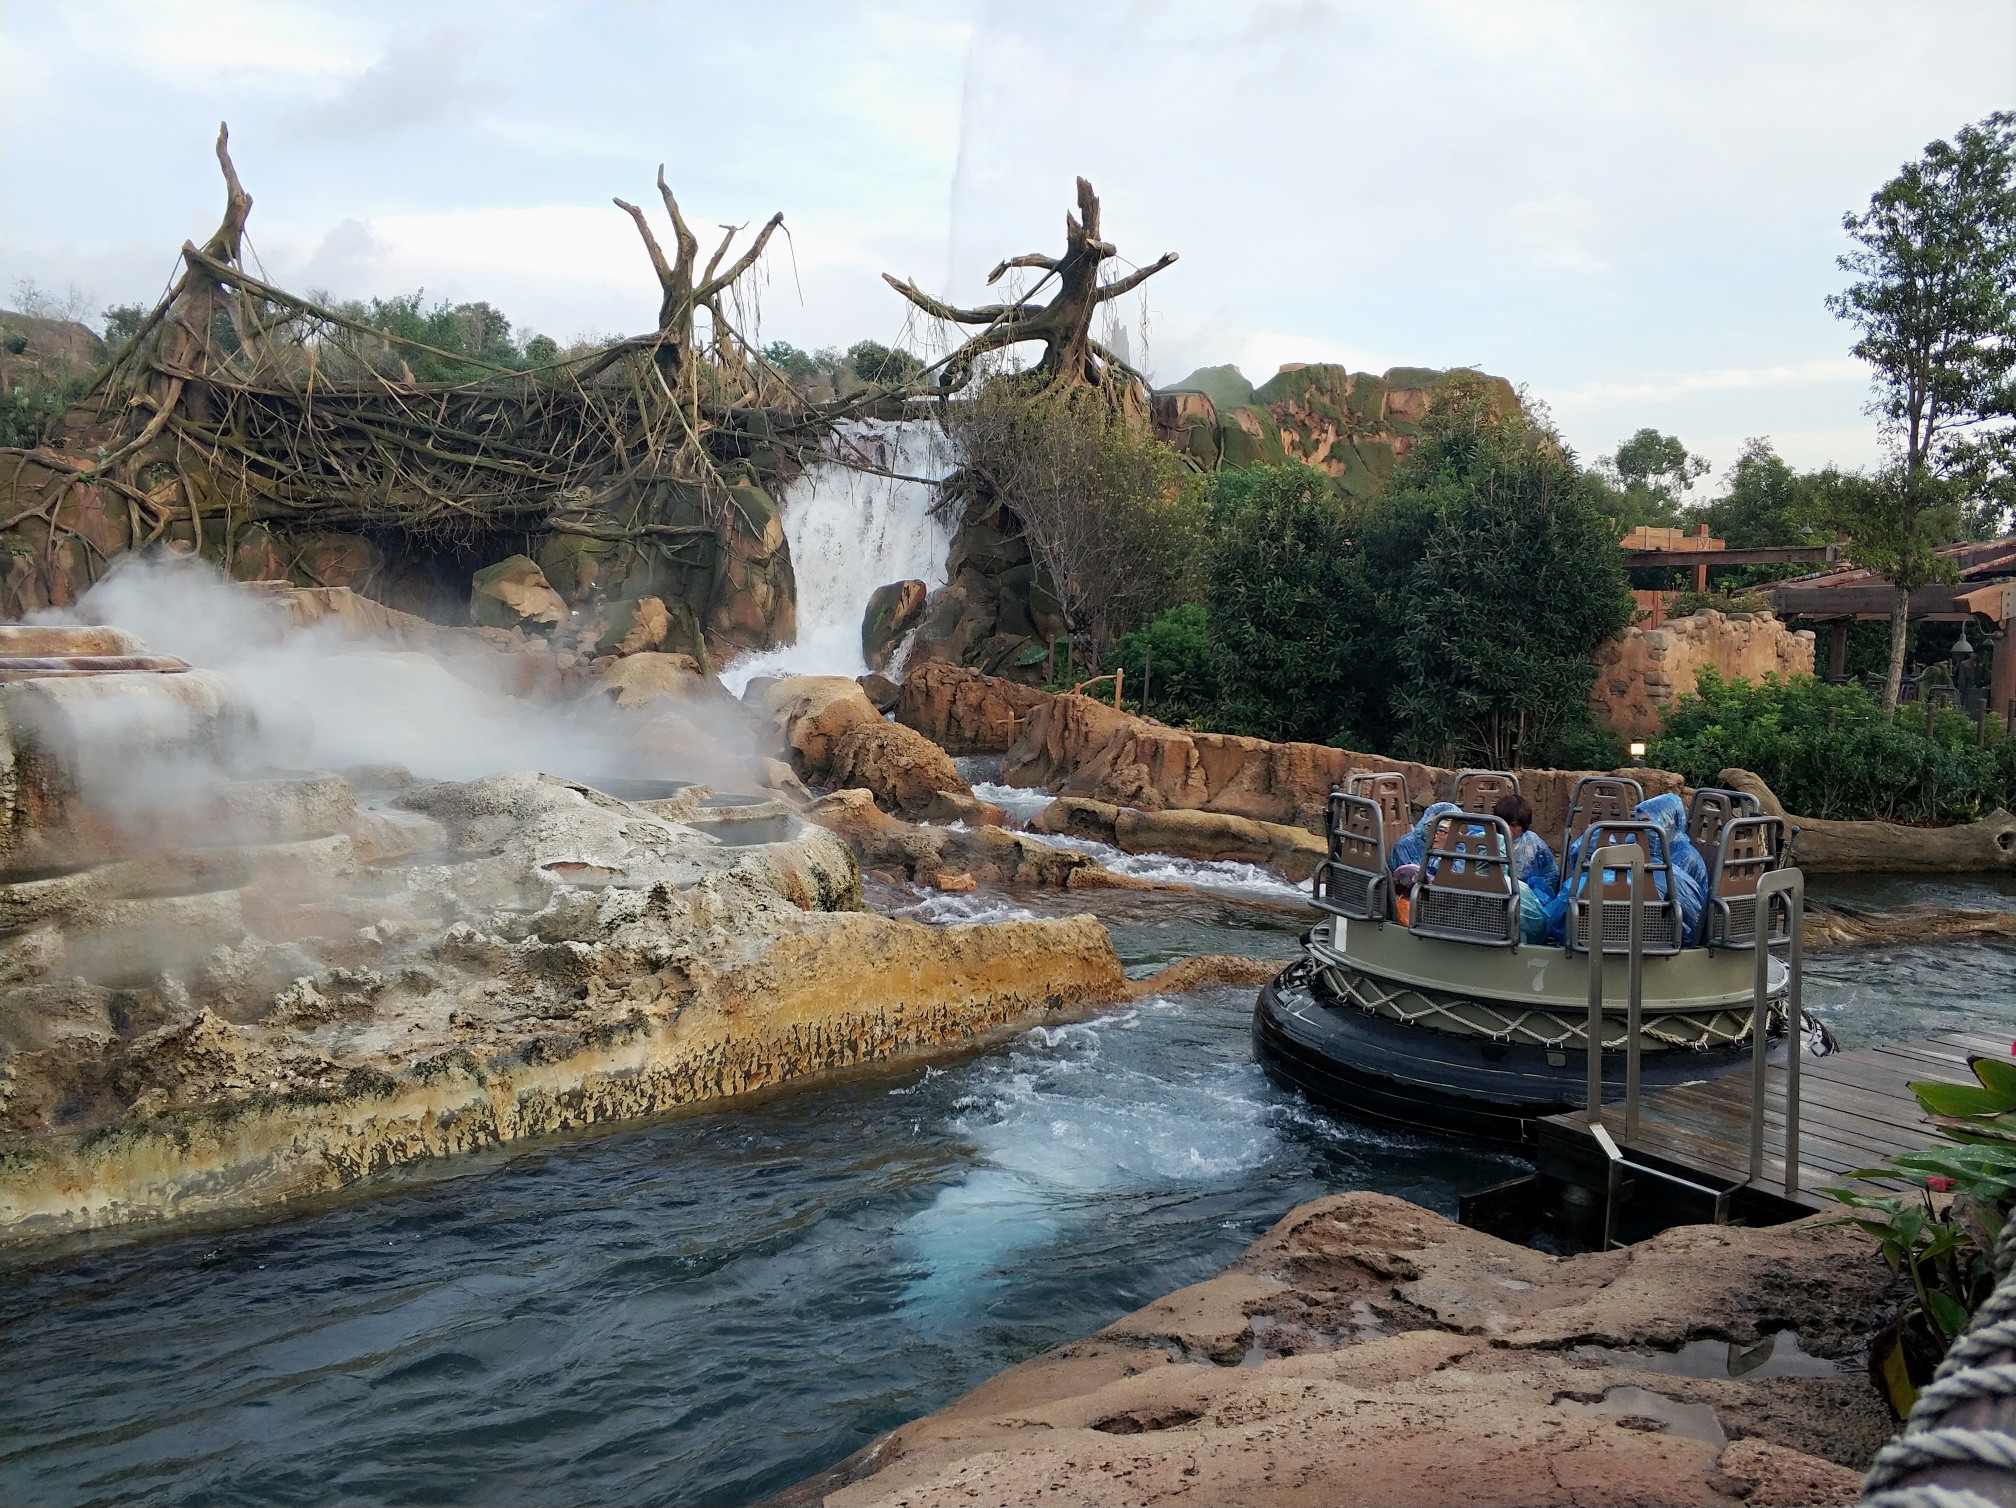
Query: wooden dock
[(1690, 1159)]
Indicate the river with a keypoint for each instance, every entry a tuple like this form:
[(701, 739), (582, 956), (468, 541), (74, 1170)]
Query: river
[(707, 1309)]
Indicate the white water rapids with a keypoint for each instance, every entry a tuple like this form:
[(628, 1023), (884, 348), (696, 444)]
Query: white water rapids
[(852, 531)]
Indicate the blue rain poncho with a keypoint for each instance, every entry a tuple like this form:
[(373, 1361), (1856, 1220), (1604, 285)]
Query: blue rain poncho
[(1533, 862), (1690, 872), (1413, 844)]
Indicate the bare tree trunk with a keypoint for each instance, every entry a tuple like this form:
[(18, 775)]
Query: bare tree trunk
[(1900, 622)]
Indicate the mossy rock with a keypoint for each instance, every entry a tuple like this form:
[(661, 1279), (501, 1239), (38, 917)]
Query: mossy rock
[(1240, 447), (1321, 386), (1366, 400), (576, 566), (1225, 386)]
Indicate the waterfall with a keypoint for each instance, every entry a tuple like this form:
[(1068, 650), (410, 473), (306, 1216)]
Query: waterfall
[(851, 531)]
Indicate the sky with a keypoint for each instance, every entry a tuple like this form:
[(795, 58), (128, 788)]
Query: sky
[(1631, 207)]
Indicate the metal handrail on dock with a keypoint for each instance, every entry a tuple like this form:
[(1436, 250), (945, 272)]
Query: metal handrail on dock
[(1788, 883)]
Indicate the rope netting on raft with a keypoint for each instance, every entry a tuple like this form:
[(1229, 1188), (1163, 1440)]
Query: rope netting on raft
[(236, 401)]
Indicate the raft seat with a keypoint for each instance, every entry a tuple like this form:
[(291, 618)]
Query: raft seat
[(1750, 848), (1603, 900), (1467, 891), (1389, 789), (1598, 798), (1352, 880), (1478, 790), (1712, 809)]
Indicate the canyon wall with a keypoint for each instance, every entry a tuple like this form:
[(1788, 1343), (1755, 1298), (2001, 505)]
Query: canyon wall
[(1642, 669)]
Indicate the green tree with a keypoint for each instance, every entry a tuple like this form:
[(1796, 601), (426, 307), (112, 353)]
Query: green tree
[(1299, 636), (1649, 473), (1515, 578), (122, 322), (883, 365), (1934, 299)]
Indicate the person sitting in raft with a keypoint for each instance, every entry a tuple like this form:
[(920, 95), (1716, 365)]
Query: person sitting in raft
[(1412, 846), (1690, 871), (1532, 863)]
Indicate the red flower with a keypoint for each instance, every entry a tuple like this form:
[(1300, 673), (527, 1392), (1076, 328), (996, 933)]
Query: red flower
[(1939, 1185)]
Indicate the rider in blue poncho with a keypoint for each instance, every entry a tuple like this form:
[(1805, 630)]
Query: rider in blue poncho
[(1413, 844), (1690, 871), (1532, 862)]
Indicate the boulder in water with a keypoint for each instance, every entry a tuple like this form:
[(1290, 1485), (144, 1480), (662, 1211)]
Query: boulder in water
[(893, 610), (837, 738)]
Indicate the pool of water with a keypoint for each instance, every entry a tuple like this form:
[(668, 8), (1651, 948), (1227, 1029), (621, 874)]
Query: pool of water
[(708, 1309)]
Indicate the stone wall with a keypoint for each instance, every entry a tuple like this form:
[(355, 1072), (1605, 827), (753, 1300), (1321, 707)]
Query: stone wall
[(1642, 669)]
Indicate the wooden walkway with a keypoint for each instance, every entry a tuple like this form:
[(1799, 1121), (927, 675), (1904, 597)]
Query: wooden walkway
[(1855, 1110)]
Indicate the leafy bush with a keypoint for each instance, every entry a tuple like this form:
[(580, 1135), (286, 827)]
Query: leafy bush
[(1173, 660), (1302, 647), (1946, 1248), (872, 361), (1829, 751), (31, 404), (1112, 517)]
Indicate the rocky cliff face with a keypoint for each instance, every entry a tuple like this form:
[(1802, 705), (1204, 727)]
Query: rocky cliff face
[(1083, 748), (1352, 425), (1643, 669)]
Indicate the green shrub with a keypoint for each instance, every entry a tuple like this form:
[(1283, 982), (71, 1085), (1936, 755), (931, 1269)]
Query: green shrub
[(1171, 658), (31, 405), (1828, 751), (1297, 632)]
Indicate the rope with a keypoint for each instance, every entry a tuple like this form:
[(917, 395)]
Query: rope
[(1967, 1375)]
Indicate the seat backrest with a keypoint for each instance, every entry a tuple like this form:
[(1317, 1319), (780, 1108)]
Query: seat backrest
[(1389, 789), (1478, 790), (1750, 848), (1907, 690), (1712, 809), (1943, 696), (1467, 891), (1352, 880), (1601, 898), (1599, 798)]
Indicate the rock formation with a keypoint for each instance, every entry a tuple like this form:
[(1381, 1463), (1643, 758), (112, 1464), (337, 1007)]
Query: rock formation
[(228, 984), (1642, 669), (837, 739), (1081, 747), (1290, 851), (1365, 1351), (1351, 425), (892, 611)]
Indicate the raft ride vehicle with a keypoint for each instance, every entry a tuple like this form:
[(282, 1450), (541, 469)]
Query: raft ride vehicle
[(1425, 1009)]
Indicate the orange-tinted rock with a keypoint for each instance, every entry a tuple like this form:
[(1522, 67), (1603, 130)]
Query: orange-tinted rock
[(963, 711), (1642, 670), (1369, 1352)]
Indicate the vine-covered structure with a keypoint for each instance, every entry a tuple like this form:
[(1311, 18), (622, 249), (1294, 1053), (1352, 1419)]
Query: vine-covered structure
[(279, 438)]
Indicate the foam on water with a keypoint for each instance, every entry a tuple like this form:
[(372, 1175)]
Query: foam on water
[(1019, 802), (1058, 1128), (1225, 876), (850, 532)]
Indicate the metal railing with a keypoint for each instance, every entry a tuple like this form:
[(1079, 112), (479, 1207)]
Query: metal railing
[(1788, 883), (1791, 884)]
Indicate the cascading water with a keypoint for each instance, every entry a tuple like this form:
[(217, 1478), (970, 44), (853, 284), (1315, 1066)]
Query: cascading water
[(852, 531)]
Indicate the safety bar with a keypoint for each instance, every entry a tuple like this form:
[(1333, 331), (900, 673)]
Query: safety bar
[(1632, 857), (1790, 883)]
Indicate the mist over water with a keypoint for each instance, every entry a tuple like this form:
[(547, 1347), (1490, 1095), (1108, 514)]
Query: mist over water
[(852, 531), (324, 698)]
